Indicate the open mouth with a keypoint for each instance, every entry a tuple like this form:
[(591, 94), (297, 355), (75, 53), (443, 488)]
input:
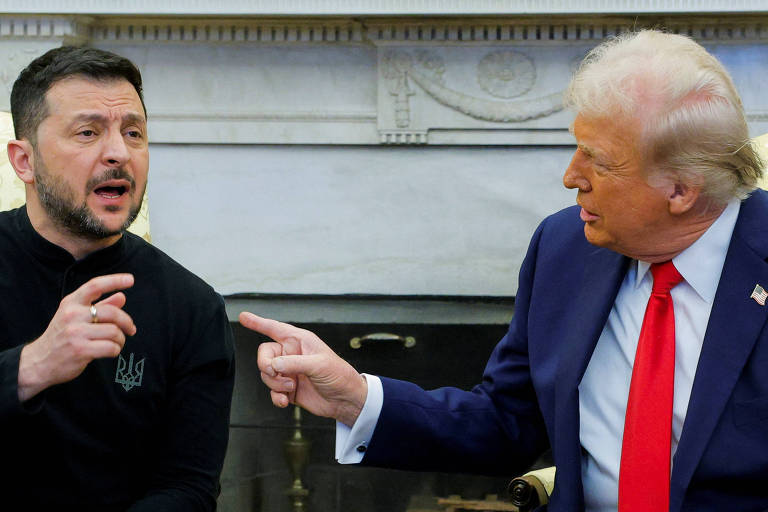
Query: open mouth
[(587, 215), (110, 192), (112, 189)]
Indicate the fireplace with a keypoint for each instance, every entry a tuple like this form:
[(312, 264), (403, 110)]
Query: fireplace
[(431, 341)]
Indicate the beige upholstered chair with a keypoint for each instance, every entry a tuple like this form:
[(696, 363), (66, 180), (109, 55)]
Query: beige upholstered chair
[(762, 146), (12, 188)]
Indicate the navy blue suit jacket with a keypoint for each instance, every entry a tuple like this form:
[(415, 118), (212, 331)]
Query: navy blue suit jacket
[(528, 399)]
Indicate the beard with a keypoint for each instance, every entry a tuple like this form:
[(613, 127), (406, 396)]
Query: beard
[(58, 201)]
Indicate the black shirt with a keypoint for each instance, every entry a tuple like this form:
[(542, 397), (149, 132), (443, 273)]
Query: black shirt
[(145, 431)]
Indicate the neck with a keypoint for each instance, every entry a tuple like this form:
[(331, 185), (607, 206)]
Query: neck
[(76, 245), (685, 231)]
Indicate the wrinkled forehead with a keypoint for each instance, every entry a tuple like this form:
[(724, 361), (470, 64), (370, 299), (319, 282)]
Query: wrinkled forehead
[(81, 91)]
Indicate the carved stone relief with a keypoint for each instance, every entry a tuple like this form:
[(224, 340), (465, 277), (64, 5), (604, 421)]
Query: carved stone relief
[(506, 74), (482, 87), (393, 81), (503, 74), (395, 69)]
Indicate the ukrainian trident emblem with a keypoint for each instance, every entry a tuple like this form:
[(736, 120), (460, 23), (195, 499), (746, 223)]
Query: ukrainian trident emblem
[(128, 374)]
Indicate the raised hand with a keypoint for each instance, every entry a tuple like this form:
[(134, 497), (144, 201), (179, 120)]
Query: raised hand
[(77, 335), (298, 367)]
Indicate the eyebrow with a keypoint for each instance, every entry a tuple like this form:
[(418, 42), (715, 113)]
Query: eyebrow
[(589, 151), (130, 117)]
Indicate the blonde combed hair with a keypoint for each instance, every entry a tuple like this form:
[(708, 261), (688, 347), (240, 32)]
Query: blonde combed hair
[(691, 120)]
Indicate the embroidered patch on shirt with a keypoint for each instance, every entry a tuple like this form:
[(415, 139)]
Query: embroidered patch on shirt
[(129, 375)]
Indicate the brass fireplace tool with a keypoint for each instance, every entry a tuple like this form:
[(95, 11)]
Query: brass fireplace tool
[(297, 452)]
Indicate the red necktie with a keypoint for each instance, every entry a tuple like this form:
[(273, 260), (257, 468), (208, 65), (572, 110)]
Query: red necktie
[(646, 447)]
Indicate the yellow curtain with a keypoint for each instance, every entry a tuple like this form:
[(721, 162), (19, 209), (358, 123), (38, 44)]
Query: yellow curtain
[(12, 188)]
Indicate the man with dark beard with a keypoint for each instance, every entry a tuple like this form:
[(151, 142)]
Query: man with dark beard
[(116, 363)]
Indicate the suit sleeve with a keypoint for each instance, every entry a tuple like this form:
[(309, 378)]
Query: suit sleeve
[(196, 423), (496, 428)]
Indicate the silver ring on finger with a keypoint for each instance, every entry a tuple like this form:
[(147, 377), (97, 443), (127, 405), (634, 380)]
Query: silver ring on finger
[(94, 314)]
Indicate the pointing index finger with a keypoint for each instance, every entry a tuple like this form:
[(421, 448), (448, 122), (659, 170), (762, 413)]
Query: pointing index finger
[(101, 285), (278, 331)]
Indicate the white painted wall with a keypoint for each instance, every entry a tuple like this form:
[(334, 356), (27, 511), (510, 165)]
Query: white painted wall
[(337, 155), (320, 219)]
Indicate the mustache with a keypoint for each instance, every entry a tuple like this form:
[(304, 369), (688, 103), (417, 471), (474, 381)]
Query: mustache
[(115, 173)]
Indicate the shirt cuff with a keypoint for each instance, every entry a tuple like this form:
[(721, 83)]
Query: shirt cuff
[(351, 443)]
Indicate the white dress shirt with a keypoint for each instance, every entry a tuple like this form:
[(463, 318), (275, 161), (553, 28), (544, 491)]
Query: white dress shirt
[(351, 443), (605, 386)]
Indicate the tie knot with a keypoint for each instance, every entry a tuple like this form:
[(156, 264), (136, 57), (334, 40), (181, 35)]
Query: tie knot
[(665, 276)]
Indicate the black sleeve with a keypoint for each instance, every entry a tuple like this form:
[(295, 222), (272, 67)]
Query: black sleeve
[(9, 382), (10, 406), (185, 476)]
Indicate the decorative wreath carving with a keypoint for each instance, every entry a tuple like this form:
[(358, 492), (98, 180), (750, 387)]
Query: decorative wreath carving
[(504, 74)]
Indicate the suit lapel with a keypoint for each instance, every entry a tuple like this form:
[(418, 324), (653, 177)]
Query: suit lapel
[(734, 325), (600, 282)]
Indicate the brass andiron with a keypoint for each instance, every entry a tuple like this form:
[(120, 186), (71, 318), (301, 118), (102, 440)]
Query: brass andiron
[(297, 452)]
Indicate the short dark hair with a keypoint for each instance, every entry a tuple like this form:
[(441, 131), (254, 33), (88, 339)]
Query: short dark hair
[(28, 106)]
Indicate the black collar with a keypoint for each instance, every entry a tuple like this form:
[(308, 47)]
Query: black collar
[(53, 255)]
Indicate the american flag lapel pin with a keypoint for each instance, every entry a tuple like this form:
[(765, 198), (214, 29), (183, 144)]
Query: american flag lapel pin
[(759, 294)]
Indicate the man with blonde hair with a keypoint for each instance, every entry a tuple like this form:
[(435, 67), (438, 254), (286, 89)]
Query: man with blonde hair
[(639, 345)]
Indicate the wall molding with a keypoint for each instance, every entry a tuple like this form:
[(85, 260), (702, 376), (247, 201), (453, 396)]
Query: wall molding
[(410, 80), (132, 29), (157, 30), (379, 7), (74, 29), (265, 116), (529, 30), (757, 115), (403, 137)]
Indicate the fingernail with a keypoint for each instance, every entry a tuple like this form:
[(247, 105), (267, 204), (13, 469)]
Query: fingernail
[(278, 364), (289, 386)]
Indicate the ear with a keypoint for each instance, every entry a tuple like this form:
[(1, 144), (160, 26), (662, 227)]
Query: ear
[(681, 198), (21, 156)]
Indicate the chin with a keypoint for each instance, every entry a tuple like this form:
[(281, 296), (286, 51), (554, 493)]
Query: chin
[(596, 238), (116, 227), (113, 224)]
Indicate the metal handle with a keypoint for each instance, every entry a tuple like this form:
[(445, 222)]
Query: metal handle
[(379, 337)]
